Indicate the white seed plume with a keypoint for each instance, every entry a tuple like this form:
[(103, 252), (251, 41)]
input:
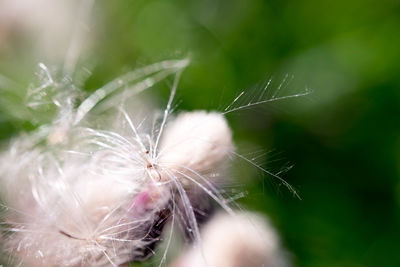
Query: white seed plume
[(242, 240)]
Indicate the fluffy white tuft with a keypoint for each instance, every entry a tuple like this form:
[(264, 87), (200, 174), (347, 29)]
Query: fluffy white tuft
[(199, 142), (92, 205)]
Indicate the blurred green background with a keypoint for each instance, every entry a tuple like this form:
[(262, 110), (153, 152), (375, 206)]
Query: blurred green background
[(343, 139)]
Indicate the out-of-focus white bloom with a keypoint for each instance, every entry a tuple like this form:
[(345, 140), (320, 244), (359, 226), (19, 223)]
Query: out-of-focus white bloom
[(242, 240), (48, 26)]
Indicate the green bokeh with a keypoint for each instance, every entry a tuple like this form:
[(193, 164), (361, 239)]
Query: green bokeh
[(344, 138)]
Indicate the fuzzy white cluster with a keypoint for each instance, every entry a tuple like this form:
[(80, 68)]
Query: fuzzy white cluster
[(94, 201), (75, 195), (89, 189), (78, 207)]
